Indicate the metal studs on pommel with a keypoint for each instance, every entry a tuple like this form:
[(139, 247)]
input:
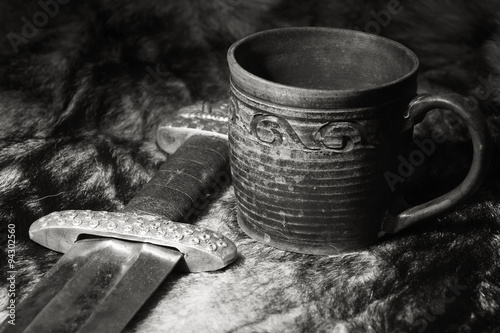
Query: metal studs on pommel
[(203, 118), (113, 262)]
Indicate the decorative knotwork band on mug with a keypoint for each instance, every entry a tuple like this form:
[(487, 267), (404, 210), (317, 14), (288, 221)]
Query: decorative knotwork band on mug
[(316, 122), (335, 136)]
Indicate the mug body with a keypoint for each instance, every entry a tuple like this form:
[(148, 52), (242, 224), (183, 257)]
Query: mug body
[(317, 119)]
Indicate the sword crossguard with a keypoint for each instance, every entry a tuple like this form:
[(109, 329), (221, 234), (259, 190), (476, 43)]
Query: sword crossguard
[(203, 249)]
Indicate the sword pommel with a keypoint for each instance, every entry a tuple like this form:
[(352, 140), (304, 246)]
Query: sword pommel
[(105, 281), (203, 250), (203, 118)]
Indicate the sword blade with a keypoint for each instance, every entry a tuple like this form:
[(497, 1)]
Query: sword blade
[(93, 288), (97, 286)]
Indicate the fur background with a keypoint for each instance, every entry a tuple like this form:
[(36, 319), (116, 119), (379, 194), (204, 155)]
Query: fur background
[(81, 97)]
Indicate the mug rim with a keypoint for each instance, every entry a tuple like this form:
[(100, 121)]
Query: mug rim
[(259, 86)]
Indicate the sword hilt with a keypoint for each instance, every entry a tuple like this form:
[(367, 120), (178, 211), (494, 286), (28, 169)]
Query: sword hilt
[(196, 138), (203, 118), (182, 185), (198, 169)]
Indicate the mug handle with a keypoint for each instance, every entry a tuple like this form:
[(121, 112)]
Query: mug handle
[(478, 130)]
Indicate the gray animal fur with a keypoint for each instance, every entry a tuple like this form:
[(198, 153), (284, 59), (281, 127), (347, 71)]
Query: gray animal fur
[(79, 106)]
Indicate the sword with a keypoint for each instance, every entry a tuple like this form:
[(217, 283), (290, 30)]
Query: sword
[(113, 262)]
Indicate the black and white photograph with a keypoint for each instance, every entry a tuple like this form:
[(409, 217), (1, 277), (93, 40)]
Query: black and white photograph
[(314, 166)]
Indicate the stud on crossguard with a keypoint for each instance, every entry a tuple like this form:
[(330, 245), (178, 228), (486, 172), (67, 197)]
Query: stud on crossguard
[(113, 262)]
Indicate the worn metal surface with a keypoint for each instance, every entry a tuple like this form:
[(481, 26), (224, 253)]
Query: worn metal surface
[(94, 298), (318, 117), (83, 290), (202, 118), (203, 249)]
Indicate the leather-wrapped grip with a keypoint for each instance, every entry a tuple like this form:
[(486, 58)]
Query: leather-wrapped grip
[(182, 185)]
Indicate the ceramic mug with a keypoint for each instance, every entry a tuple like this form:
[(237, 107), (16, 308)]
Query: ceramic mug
[(319, 121)]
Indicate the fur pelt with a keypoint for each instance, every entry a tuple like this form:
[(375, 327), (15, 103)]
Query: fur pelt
[(82, 94)]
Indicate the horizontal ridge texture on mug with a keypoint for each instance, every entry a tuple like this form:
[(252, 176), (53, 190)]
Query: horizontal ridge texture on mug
[(318, 116)]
